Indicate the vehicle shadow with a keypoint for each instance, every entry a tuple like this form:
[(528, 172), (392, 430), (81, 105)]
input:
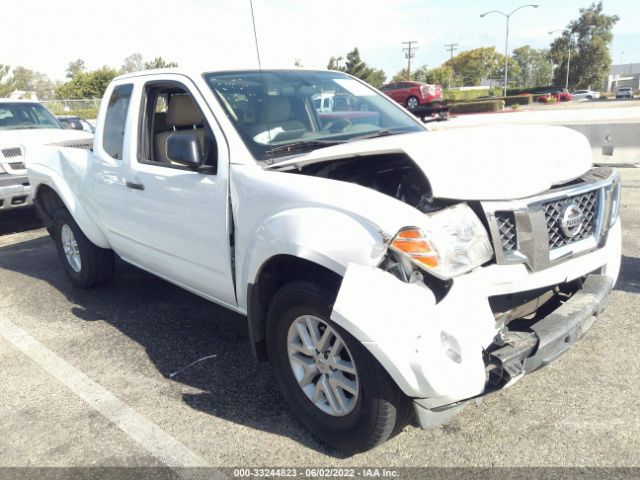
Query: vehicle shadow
[(629, 279), (176, 328), (19, 220)]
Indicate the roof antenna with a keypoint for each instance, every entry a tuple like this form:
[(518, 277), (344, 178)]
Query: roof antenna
[(255, 35)]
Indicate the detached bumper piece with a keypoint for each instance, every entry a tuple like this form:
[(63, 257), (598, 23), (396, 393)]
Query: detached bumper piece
[(525, 351)]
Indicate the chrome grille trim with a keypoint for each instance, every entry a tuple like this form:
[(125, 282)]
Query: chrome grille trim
[(534, 239)]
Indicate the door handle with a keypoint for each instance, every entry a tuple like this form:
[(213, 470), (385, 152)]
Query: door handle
[(134, 186)]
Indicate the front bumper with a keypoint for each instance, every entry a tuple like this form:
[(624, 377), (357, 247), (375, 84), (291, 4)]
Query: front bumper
[(15, 192), (524, 351)]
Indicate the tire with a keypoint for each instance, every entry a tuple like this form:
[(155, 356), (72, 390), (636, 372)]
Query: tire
[(374, 413), (412, 102), (589, 97), (86, 264)]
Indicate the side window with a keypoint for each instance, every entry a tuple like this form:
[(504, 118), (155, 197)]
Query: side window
[(170, 109), (114, 123)]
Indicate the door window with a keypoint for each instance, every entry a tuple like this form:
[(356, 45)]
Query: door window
[(115, 120)]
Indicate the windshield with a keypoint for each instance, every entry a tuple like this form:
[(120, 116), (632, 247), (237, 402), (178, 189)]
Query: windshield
[(18, 115), (281, 112)]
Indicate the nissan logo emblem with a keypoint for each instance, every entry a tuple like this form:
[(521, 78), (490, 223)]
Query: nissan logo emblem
[(571, 220)]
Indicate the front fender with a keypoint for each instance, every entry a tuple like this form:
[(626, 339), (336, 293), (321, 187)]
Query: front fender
[(325, 236), (62, 170)]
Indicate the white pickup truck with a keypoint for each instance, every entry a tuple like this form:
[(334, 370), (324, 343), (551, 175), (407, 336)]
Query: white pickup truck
[(383, 269), (27, 122)]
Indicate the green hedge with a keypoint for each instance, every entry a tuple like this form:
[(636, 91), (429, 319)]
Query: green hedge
[(478, 106), (86, 113), (463, 95)]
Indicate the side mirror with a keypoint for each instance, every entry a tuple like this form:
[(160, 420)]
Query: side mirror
[(184, 148)]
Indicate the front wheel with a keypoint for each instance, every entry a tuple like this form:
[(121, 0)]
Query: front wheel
[(412, 103), (86, 264), (331, 382)]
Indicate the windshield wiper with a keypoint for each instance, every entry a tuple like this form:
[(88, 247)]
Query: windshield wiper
[(303, 145), (379, 133)]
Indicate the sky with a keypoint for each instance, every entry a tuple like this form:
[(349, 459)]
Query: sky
[(218, 34)]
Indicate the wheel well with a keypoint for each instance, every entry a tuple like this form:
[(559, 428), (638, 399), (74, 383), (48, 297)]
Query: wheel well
[(47, 201), (276, 272)]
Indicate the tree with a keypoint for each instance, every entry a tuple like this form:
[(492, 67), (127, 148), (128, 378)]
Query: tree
[(589, 38), (440, 75), (159, 62), (535, 66), (31, 81), (133, 63), (355, 66), (6, 86), (74, 67), (334, 64), (87, 84), (471, 66)]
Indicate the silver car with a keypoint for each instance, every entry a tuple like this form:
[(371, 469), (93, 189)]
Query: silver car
[(624, 92), (585, 94)]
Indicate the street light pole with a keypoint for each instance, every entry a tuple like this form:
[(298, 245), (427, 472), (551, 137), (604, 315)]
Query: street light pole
[(566, 84), (506, 43)]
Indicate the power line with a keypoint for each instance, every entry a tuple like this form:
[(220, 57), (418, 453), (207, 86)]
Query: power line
[(409, 53), (452, 47)]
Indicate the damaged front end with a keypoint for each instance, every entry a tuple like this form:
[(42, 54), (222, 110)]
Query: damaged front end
[(454, 312)]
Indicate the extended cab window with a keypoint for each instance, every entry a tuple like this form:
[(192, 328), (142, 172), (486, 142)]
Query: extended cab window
[(115, 120)]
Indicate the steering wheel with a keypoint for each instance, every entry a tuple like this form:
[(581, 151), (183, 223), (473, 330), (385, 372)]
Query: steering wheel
[(339, 125)]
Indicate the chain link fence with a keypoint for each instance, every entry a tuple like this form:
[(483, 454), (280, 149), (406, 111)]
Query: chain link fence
[(87, 108)]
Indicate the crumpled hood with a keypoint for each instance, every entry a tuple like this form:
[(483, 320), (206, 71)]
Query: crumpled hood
[(40, 136), (482, 163)]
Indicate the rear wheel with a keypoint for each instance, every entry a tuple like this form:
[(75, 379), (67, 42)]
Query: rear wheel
[(86, 264), (412, 103), (331, 382)]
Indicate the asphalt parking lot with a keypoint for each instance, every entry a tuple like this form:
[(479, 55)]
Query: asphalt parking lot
[(102, 378)]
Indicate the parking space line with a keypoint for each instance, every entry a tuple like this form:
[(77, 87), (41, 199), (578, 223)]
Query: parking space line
[(146, 433)]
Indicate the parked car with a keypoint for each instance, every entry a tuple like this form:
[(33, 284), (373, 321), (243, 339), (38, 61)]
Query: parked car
[(25, 122), (75, 123), (383, 269), (559, 95), (585, 95), (624, 92), (413, 94)]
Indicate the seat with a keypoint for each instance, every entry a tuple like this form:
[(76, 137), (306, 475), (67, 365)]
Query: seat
[(275, 117), (182, 113)]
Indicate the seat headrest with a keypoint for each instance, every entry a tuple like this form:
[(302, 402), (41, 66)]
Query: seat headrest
[(183, 112), (275, 109)]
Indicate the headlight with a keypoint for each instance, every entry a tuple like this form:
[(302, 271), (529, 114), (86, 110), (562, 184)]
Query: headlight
[(455, 242)]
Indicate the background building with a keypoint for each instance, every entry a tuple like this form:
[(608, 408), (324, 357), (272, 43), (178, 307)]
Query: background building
[(624, 75)]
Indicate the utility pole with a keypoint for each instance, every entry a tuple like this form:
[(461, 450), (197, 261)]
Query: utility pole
[(409, 53), (452, 47)]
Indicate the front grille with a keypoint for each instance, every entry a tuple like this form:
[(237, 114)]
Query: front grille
[(17, 165), (507, 228), (554, 210), (12, 152)]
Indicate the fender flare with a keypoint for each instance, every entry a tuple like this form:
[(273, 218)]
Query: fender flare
[(41, 175)]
